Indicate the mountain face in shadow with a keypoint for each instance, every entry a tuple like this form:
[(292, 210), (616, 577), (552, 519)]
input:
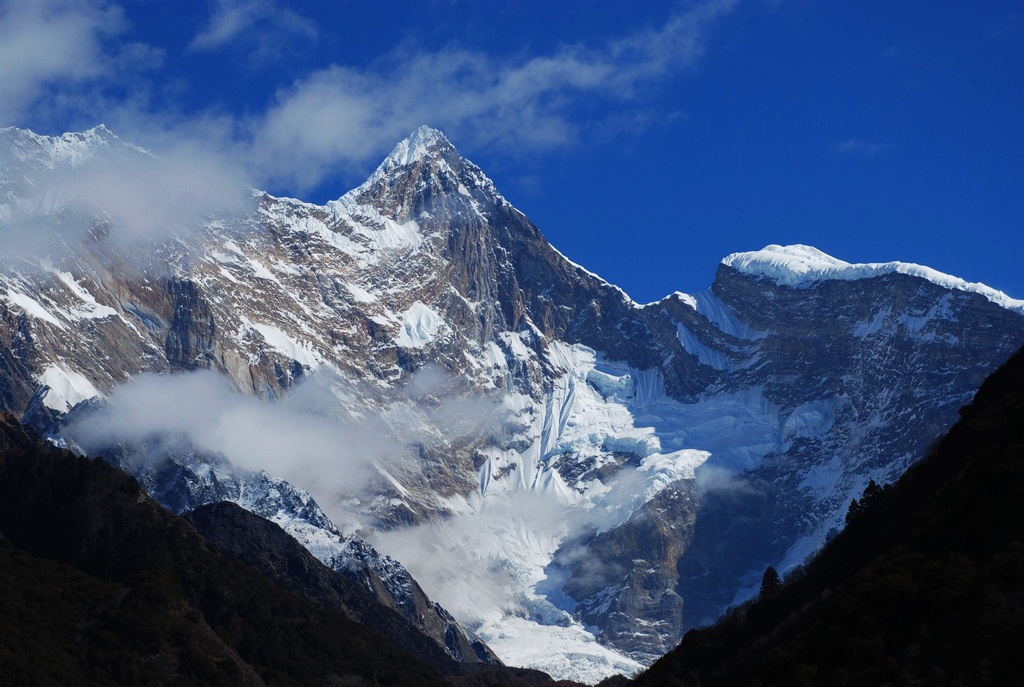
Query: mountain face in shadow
[(257, 542), (924, 586), (99, 585)]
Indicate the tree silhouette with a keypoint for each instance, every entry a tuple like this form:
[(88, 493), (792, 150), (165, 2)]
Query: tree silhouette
[(853, 510), (771, 583)]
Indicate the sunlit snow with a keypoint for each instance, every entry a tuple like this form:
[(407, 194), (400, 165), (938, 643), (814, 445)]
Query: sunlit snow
[(420, 326), (67, 388), (800, 265)]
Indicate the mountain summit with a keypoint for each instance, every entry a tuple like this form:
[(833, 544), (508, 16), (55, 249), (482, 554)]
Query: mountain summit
[(421, 170), (554, 463), (424, 142)]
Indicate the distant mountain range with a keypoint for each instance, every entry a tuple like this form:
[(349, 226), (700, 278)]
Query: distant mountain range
[(575, 478)]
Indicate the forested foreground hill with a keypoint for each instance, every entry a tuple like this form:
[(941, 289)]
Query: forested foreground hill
[(925, 586), (99, 585)]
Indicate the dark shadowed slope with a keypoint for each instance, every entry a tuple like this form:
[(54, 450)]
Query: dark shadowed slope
[(924, 587), (99, 585), (252, 540), (262, 544), (103, 586)]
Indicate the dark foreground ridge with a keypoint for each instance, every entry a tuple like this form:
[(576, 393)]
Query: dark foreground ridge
[(925, 586), (99, 585)]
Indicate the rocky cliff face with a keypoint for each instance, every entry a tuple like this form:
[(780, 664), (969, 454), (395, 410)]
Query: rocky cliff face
[(817, 387), (667, 453)]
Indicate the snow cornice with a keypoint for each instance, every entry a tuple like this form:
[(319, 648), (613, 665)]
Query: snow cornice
[(800, 266)]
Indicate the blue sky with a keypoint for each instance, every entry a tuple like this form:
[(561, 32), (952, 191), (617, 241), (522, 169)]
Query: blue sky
[(647, 140)]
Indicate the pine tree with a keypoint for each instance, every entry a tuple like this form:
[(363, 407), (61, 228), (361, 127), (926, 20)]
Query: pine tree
[(872, 494), (853, 510), (771, 583)]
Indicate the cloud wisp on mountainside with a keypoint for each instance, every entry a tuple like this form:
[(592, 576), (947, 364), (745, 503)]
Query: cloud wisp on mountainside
[(125, 197), (323, 436)]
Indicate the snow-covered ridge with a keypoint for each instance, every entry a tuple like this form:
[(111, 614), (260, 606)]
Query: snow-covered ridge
[(72, 148), (420, 145), (598, 277), (799, 265)]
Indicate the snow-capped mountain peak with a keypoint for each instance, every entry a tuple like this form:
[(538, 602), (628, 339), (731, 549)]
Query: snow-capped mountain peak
[(423, 172), (800, 266), (425, 147), (422, 143), (72, 149), (634, 458)]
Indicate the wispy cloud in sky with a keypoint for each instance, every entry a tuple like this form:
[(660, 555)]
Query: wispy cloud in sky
[(338, 116), (49, 43), (261, 23), (856, 146)]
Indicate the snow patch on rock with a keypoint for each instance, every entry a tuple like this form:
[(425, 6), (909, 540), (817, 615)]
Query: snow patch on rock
[(32, 307), (301, 352), (420, 326), (66, 388)]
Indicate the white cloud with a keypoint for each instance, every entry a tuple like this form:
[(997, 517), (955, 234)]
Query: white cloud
[(50, 43), (480, 565), (856, 146), (338, 118), (122, 195), (262, 23), (288, 440), (324, 436)]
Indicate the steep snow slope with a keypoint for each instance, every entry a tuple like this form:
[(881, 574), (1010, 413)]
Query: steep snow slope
[(555, 464)]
